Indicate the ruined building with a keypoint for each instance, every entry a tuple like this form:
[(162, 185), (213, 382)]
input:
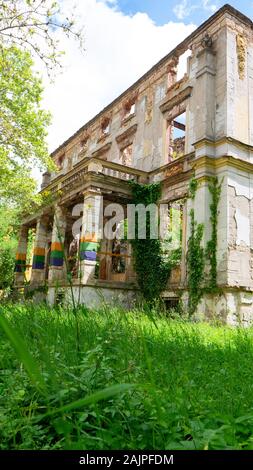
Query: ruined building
[(167, 129)]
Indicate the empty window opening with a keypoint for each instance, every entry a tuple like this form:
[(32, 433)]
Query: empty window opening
[(84, 140), (59, 298), (173, 235), (171, 304), (182, 69), (119, 252), (105, 126), (129, 108), (126, 155), (61, 162), (176, 137)]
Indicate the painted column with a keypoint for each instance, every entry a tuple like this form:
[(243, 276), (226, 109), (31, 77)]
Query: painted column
[(20, 265), (56, 269), (91, 234), (38, 264)]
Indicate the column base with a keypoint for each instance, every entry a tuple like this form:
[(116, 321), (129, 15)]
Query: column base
[(87, 271)]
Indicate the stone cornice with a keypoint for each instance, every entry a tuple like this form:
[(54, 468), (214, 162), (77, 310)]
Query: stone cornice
[(214, 163), (169, 102), (102, 150), (126, 134), (223, 140)]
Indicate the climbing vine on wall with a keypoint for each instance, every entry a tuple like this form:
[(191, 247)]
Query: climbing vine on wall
[(195, 256), (211, 249), (152, 268)]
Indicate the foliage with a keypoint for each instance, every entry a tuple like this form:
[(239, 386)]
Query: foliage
[(22, 126), (190, 384), (151, 267), (211, 249), (193, 185), (195, 263), (7, 263), (8, 244), (33, 25), (196, 254), (28, 29)]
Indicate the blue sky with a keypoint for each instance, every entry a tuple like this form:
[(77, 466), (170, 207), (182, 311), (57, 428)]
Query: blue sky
[(196, 11)]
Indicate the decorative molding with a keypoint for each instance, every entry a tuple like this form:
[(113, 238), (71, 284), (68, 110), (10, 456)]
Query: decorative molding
[(101, 150), (241, 48), (149, 109), (223, 140), (174, 170), (214, 163), (170, 102), (121, 138)]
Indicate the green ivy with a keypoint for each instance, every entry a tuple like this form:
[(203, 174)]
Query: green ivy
[(196, 254), (193, 185), (195, 263), (152, 267), (211, 249)]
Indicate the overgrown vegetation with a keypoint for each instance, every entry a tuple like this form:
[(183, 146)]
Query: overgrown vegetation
[(196, 255), (8, 244), (152, 267), (134, 384), (196, 263), (211, 249)]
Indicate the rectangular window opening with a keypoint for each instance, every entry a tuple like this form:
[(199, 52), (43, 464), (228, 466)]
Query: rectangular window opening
[(126, 155), (129, 108), (174, 234), (176, 130)]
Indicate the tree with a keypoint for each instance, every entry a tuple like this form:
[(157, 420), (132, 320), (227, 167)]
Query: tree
[(33, 25), (28, 29), (8, 244), (22, 125)]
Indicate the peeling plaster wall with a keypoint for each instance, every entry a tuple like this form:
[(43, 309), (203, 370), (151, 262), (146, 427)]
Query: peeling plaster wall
[(240, 246), (240, 83)]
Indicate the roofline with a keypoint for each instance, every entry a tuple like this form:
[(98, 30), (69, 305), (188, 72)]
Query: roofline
[(181, 46)]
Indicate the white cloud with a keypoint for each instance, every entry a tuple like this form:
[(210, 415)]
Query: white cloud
[(119, 49), (209, 6), (186, 7), (183, 9)]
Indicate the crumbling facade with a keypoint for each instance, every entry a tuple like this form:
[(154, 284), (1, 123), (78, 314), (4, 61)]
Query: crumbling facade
[(168, 130)]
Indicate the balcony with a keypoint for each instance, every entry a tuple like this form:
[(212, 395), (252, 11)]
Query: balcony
[(75, 178)]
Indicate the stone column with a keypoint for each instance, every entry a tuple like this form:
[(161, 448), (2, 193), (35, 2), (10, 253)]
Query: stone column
[(91, 234), (202, 103), (38, 264), (20, 265), (56, 270)]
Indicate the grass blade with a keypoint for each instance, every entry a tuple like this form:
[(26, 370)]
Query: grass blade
[(90, 399), (24, 355)]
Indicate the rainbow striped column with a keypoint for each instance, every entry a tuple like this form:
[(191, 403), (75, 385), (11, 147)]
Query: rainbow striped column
[(88, 247), (38, 258), (56, 269), (56, 257), (20, 265), (91, 234), (38, 264)]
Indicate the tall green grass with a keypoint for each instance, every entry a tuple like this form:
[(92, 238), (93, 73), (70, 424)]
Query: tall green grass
[(133, 383)]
